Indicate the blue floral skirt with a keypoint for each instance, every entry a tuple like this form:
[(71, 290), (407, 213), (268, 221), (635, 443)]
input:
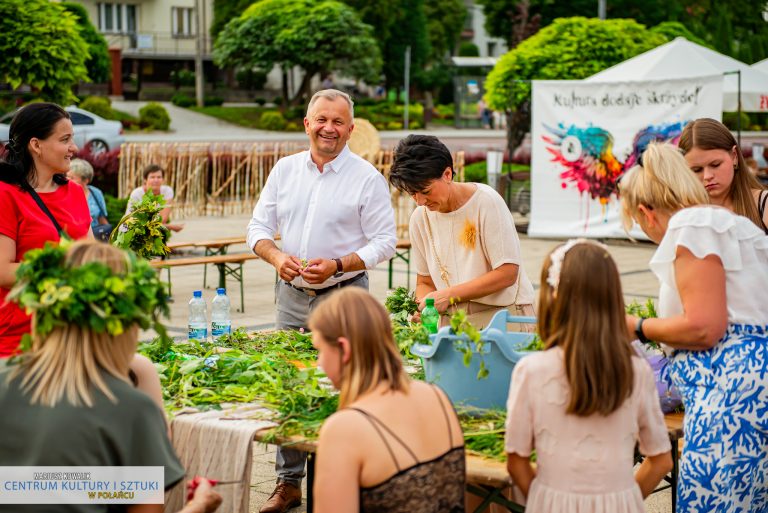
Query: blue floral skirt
[(724, 467)]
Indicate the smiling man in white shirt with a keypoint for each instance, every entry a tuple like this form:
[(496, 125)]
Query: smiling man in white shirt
[(333, 212)]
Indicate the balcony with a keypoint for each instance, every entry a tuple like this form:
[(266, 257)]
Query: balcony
[(158, 45)]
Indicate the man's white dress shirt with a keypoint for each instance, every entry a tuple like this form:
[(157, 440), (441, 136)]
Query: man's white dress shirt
[(345, 209)]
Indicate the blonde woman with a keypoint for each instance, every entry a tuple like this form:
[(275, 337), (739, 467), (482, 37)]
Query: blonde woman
[(712, 315), (391, 435), (68, 399)]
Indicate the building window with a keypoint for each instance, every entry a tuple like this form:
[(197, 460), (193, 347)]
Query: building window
[(491, 49), (117, 18), (182, 21)]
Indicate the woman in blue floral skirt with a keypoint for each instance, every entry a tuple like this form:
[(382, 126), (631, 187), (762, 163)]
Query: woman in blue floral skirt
[(713, 318)]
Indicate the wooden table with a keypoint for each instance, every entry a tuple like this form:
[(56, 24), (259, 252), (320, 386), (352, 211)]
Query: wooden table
[(403, 252), (228, 264), (212, 247), (489, 478)]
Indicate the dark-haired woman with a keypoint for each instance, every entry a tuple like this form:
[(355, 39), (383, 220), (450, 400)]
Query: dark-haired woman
[(465, 246), (37, 201)]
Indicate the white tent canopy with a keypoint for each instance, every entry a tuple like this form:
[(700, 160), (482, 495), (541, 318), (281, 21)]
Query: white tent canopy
[(761, 66), (682, 59)]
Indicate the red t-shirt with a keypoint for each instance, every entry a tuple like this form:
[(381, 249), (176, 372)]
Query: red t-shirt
[(22, 220)]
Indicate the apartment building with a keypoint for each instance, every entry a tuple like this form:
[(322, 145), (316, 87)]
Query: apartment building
[(155, 37)]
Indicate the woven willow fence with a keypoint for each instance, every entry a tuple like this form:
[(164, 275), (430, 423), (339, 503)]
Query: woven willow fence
[(226, 178)]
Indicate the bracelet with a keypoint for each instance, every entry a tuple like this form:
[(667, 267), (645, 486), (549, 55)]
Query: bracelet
[(639, 331)]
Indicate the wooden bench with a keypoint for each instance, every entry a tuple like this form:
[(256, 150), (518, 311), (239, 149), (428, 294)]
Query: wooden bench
[(212, 247), (403, 252), (228, 265)]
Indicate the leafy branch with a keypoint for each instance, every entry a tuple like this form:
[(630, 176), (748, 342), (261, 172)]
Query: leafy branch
[(142, 230)]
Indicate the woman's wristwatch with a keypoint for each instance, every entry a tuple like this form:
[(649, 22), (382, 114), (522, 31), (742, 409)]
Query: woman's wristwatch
[(639, 331)]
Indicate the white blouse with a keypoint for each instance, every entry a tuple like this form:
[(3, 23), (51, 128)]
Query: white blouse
[(741, 246)]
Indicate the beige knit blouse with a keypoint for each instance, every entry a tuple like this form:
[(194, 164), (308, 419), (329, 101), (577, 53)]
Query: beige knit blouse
[(474, 239)]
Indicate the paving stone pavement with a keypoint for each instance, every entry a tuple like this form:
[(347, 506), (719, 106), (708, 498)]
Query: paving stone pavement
[(632, 259)]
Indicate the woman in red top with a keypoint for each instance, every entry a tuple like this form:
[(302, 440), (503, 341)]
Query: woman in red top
[(36, 160)]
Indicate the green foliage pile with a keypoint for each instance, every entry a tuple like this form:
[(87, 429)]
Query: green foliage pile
[(569, 48), (144, 232), (98, 105), (272, 121), (98, 63), (41, 46), (154, 116)]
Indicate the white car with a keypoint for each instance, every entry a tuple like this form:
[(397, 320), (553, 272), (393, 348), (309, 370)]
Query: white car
[(91, 131)]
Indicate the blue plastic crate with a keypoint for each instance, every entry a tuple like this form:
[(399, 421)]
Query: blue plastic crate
[(444, 365)]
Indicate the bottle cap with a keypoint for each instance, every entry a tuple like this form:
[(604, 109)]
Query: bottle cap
[(197, 293), (220, 291), (431, 301)]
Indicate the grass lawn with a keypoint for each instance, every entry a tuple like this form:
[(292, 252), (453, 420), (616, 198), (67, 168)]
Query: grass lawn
[(478, 171), (243, 116)]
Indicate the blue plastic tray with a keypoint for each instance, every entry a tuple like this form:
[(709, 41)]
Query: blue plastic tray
[(444, 365)]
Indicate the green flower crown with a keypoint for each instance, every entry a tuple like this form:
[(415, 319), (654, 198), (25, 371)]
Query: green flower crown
[(91, 295)]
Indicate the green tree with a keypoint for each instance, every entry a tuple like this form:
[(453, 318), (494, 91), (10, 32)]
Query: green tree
[(410, 30), (98, 64), (318, 37), (445, 19), (41, 46), (224, 11), (672, 29), (569, 48)]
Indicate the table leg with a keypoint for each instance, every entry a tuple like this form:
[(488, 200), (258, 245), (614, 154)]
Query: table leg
[(390, 271), (310, 480), (675, 469)]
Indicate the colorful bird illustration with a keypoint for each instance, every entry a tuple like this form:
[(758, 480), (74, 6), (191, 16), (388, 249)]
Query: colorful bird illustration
[(588, 159)]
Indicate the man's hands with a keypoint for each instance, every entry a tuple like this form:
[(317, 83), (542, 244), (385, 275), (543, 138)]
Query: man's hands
[(318, 270), (288, 266), (314, 272)]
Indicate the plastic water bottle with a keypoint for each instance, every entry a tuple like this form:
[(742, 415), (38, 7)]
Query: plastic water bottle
[(221, 322), (430, 317), (198, 318)]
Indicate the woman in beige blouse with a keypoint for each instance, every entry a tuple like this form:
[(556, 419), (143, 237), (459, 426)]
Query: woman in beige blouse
[(464, 243)]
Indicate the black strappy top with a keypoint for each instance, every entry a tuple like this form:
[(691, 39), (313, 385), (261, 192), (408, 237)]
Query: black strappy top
[(761, 201), (430, 486)]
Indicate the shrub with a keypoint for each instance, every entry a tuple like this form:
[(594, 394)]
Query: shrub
[(730, 119), (213, 101), (259, 101), (413, 125), (293, 127), (295, 112), (99, 106), (394, 125), (154, 116), (182, 77), (182, 100), (115, 208), (106, 166), (272, 120), (476, 172)]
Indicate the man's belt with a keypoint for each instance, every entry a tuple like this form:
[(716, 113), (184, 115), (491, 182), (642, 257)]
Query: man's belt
[(326, 290)]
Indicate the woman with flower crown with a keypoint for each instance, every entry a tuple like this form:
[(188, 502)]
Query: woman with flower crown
[(585, 402), (38, 203), (713, 318), (68, 399)]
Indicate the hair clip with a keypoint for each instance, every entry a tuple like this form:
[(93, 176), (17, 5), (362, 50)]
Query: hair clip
[(558, 255)]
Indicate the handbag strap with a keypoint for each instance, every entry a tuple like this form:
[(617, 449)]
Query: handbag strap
[(35, 196)]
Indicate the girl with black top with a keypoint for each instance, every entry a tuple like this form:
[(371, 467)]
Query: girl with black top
[(395, 445)]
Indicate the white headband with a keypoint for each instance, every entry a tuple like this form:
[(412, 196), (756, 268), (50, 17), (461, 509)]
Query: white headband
[(558, 255)]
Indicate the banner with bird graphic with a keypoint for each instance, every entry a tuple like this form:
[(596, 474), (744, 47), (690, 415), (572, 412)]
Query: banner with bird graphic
[(585, 135)]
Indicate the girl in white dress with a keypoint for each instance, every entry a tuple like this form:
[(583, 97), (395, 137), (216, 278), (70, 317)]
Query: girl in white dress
[(584, 402)]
